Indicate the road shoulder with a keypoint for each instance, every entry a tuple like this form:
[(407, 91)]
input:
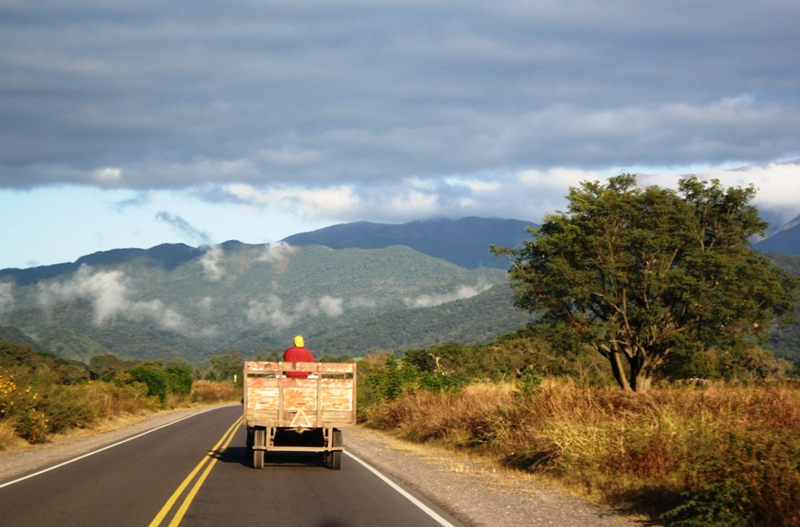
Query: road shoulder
[(475, 492)]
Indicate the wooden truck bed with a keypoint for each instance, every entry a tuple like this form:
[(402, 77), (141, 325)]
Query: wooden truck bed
[(290, 414), (327, 398)]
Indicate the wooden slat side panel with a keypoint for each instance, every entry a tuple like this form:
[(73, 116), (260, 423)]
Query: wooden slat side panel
[(300, 399), (260, 367), (332, 384), (261, 415), (311, 367), (337, 367)]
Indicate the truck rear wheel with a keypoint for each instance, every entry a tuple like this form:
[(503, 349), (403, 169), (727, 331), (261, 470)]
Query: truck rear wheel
[(260, 439), (336, 457), (249, 442)]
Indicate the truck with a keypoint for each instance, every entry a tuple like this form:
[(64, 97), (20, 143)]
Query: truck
[(298, 407)]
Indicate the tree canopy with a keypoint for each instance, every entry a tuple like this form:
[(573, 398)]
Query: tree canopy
[(639, 272)]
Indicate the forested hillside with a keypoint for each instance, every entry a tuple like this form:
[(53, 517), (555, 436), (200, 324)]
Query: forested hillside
[(137, 304), (464, 242)]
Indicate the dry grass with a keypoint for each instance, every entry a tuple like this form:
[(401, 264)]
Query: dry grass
[(215, 392), (645, 452), (35, 409), (8, 437)]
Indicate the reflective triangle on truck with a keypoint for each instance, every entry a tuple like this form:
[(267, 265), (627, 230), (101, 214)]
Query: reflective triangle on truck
[(300, 420)]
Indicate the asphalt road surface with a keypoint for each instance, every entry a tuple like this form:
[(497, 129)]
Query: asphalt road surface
[(195, 473)]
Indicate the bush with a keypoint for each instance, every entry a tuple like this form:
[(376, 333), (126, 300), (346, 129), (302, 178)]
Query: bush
[(154, 377), (383, 378), (67, 408), (746, 478), (716, 455), (211, 392), (179, 379)]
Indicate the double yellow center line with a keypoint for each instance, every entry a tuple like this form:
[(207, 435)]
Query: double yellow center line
[(212, 456)]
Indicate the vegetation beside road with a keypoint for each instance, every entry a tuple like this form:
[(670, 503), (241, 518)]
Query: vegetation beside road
[(41, 395), (720, 453)]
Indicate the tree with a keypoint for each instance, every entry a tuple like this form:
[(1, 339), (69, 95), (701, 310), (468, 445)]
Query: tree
[(152, 374), (639, 272), (179, 376), (225, 367)]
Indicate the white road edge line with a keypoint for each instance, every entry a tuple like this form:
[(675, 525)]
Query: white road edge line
[(101, 449), (427, 510)]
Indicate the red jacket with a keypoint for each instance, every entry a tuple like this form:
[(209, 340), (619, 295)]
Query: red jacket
[(296, 354)]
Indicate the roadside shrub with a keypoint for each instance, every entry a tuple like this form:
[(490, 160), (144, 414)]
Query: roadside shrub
[(179, 379), (384, 378), (67, 408), (8, 435), (32, 425), (211, 392), (715, 454), (154, 377), (747, 477), (529, 384)]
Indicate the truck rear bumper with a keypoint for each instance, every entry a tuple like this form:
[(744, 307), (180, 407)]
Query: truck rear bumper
[(299, 448)]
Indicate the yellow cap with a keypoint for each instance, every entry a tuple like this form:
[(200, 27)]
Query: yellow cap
[(298, 341)]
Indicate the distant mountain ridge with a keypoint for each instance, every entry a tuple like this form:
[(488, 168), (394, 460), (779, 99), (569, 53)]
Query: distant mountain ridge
[(786, 240), (176, 300), (464, 242), (167, 255)]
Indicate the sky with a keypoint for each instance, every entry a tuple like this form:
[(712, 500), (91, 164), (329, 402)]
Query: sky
[(130, 124)]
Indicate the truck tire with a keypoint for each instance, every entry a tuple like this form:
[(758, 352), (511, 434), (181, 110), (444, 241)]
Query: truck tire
[(336, 457), (260, 439), (249, 442)]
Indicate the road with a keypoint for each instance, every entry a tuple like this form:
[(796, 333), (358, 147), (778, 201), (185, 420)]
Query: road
[(195, 473)]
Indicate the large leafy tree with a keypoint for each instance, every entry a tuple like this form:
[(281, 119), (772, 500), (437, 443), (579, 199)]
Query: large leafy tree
[(639, 272), (226, 367)]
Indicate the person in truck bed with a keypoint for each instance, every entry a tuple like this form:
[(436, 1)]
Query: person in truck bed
[(297, 353)]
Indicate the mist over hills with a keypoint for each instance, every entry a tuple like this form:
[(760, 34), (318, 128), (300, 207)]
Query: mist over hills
[(177, 300)]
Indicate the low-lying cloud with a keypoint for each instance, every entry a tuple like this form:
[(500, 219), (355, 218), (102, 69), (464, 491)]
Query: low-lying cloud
[(212, 263), (6, 297), (109, 292), (465, 291), (276, 251), (273, 311), (332, 307)]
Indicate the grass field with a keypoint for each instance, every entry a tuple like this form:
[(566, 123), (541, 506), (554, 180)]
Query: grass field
[(723, 455)]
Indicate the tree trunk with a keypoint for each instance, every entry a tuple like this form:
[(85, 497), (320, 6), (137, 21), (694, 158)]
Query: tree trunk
[(619, 371), (640, 373)]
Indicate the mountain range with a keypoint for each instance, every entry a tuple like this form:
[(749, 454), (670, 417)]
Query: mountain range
[(464, 242), (785, 240), (349, 289), (177, 300)]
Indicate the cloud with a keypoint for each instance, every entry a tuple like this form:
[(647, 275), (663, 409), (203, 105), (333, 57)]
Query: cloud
[(442, 89), (329, 201), (461, 293), (6, 297), (205, 303), (184, 229), (276, 251), (331, 306), (139, 200), (270, 312), (360, 301), (777, 186), (108, 292), (390, 111), (211, 262)]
